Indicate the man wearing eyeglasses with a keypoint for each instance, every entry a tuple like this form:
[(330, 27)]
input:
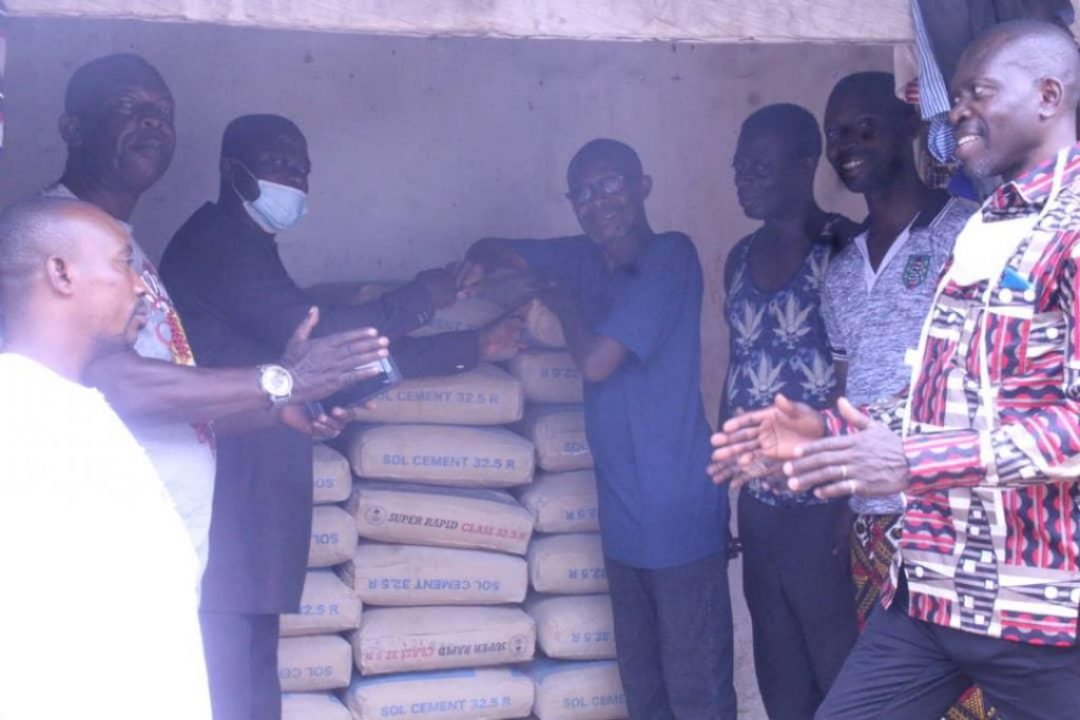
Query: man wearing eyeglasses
[(630, 304)]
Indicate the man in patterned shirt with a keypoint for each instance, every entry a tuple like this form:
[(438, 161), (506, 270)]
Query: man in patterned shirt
[(795, 580), (985, 445)]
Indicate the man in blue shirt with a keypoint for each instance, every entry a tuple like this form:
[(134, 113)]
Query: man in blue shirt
[(630, 304)]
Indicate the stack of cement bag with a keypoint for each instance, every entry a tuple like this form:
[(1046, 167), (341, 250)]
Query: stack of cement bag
[(440, 564), (578, 679), (314, 654)]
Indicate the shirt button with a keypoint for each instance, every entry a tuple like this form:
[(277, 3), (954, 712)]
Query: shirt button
[(1052, 333), (919, 571), (1006, 295), (1076, 596), (1051, 593), (1029, 295)]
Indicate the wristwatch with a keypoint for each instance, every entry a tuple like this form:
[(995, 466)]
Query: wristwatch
[(277, 383)]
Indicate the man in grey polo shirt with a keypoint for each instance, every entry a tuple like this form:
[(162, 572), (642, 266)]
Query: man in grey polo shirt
[(878, 289)]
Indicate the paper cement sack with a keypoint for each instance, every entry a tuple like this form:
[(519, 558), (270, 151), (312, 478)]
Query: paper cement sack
[(312, 706), (319, 662), (563, 502), (567, 564), (542, 327), (332, 476), (484, 395), (327, 605), (573, 627), (578, 690), (548, 376), (449, 517), (440, 638), (558, 432), (442, 455), (494, 694), (465, 314), (418, 575), (333, 536)]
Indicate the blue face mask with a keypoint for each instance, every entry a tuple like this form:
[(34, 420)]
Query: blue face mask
[(278, 207)]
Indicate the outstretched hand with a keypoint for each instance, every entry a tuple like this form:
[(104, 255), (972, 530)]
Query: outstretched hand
[(322, 366), (748, 442)]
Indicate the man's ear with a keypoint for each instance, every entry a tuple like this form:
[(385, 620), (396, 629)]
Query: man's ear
[(70, 130), (644, 187), (59, 276), (1051, 97)]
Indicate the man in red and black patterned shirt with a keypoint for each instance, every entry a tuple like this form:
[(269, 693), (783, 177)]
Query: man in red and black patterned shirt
[(985, 445)]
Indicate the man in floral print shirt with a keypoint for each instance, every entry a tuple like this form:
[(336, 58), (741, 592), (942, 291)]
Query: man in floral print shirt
[(986, 443), (794, 578)]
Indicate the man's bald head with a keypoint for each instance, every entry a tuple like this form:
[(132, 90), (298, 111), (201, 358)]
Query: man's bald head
[(1015, 94), (98, 80)]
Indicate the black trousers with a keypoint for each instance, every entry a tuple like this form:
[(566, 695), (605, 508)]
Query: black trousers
[(241, 665), (673, 632), (802, 609), (907, 669)]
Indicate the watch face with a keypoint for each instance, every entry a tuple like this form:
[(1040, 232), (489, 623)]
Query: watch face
[(276, 381)]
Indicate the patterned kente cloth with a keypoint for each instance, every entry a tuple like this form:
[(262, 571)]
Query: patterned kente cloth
[(873, 545)]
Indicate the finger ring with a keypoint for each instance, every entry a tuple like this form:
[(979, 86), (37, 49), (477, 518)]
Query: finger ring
[(843, 472)]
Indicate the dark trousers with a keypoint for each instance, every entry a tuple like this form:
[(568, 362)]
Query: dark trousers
[(241, 664), (673, 631), (800, 597), (906, 669)]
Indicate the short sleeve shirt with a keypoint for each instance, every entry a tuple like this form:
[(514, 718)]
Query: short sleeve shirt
[(778, 344), (646, 422), (873, 318)]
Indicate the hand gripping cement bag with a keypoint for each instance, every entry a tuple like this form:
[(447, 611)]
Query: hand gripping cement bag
[(548, 376), (558, 432), (567, 564), (563, 502), (447, 517), (408, 639), (312, 706), (542, 327), (332, 476), (318, 662), (573, 627), (485, 395), (578, 690), (333, 536), (442, 455), (411, 575), (492, 694), (327, 605)]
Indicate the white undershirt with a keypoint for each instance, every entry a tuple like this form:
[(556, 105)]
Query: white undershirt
[(98, 611)]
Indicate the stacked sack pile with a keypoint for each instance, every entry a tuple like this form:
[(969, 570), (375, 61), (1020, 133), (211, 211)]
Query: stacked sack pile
[(440, 565), (577, 679)]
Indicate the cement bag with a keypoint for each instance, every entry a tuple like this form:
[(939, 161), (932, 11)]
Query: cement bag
[(578, 690), (327, 605), (495, 694), (567, 564), (542, 327), (563, 502), (333, 536), (439, 638), (451, 517), (333, 478), (417, 575), (558, 432), (465, 314), (319, 662), (573, 627), (485, 395), (442, 455), (312, 706), (548, 376)]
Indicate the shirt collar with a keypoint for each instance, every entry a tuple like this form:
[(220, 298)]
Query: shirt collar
[(1029, 192)]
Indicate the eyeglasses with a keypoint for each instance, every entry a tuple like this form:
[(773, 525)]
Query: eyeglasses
[(607, 185)]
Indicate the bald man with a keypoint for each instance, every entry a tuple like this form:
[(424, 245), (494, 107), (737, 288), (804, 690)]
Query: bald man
[(986, 444), (98, 569)]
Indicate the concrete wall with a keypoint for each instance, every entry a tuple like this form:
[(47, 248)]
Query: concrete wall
[(421, 146)]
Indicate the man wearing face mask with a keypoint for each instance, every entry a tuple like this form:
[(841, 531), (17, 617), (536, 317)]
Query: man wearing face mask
[(239, 302)]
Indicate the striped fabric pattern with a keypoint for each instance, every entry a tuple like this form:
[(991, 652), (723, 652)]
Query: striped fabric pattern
[(934, 102)]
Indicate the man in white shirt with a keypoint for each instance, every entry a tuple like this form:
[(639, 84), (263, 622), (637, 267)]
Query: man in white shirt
[(99, 614)]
